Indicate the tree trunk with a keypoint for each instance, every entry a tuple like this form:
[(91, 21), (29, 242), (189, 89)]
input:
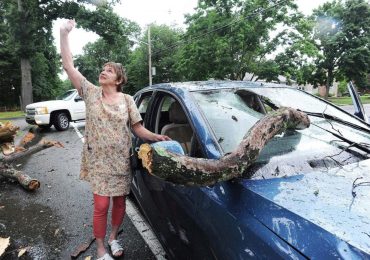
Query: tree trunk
[(26, 85), (181, 169), (27, 97), (329, 82)]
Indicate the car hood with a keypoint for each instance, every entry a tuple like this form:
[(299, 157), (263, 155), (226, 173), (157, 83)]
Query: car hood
[(46, 104), (337, 201)]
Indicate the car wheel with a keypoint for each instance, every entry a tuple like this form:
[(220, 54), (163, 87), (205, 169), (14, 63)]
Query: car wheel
[(61, 121), (45, 127)]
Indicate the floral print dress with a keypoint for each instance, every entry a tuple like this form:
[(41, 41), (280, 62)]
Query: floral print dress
[(106, 151)]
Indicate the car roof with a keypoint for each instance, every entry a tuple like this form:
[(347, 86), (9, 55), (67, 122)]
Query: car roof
[(211, 84)]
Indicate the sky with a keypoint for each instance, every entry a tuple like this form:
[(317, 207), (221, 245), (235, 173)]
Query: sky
[(144, 12)]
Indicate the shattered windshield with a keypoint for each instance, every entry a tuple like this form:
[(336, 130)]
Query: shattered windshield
[(232, 112), (289, 97), (228, 115)]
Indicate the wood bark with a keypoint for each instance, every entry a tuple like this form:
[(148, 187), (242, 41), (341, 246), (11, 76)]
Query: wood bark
[(23, 179), (7, 133), (26, 92), (189, 171)]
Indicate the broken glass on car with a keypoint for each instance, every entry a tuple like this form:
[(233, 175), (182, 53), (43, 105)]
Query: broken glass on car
[(232, 112)]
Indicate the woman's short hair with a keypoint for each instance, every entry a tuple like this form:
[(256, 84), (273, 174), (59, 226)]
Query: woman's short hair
[(120, 71)]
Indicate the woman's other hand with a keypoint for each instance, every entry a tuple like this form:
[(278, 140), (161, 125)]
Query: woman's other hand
[(67, 26), (158, 138)]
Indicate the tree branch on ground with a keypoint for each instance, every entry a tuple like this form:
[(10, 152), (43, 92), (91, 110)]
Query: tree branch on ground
[(11, 153)]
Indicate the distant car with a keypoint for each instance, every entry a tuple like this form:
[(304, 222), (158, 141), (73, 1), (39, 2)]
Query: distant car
[(68, 107), (306, 198)]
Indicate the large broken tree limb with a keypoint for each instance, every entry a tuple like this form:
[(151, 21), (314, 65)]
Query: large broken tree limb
[(185, 170), (43, 144), (7, 132), (13, 153)]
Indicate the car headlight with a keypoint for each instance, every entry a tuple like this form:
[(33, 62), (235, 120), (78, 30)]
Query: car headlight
[(41, 110)]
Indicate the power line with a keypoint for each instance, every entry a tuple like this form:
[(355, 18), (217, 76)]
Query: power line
[(251, 15)]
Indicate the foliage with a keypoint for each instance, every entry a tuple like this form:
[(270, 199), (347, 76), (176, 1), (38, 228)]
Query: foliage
[(342, 87), (114, 44), (342, 33), (226, 39), (9, 64), (163, 58), (27, 34)]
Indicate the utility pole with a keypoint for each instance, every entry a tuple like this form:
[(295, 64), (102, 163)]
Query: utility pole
[(150, 57)]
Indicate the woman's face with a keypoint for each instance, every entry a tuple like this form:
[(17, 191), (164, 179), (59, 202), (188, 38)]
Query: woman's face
[(108, 76)]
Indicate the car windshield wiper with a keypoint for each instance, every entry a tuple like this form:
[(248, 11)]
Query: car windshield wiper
[(362, 147), (336, 119)]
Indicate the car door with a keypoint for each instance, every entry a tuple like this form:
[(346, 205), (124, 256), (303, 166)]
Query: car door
[(78, 107), (170, 208)]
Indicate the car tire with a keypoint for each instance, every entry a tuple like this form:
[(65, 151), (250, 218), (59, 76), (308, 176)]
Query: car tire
[(61, 121)]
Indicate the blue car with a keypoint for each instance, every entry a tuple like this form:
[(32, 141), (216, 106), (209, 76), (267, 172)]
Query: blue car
[(307, 196)]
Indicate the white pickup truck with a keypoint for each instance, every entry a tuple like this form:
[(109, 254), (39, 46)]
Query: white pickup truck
[(68, 107)]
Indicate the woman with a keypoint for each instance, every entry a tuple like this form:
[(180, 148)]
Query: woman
[(105, 156)]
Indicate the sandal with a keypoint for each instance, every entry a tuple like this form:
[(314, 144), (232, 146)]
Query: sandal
[(106, 256), (115, 247)]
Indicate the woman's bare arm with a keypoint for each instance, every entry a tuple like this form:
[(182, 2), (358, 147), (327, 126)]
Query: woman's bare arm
[(147, 135), (73, 74)]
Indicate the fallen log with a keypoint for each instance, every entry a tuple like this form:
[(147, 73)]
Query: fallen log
[(189, 171), (23, 179), (43, 144), (13, 153)]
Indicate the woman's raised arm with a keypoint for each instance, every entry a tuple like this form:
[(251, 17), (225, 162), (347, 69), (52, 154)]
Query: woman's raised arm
[(73, 74)]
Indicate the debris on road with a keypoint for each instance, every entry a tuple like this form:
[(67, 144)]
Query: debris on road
[(4, 243), (11, 153)]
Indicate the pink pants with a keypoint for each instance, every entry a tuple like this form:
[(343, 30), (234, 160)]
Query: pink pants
[(101, 206)]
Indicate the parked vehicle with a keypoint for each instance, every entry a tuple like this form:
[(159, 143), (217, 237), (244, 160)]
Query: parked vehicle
[(68, 107), (307, 197)]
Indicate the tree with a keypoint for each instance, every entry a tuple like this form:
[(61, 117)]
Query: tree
[(342, 34), (226, 39), (96, 54), (29, 27), (9, 64), (164, 45)]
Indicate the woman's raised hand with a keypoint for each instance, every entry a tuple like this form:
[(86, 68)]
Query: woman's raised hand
[(67, 26)]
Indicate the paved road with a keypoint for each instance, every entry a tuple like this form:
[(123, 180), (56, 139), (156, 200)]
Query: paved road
[(57, 218)]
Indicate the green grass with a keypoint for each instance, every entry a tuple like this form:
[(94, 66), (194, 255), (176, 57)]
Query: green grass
[(6, 115), (348, 100)]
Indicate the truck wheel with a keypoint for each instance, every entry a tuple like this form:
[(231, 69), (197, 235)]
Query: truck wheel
[(61, 121)]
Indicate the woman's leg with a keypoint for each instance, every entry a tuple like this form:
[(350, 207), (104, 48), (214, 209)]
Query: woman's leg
[(101, 206), (118, 212)]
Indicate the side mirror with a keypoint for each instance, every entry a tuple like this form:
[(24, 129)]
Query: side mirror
[(172, 146), (78, 98)]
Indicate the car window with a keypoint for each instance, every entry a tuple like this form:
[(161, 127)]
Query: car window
[(67, 95), (143, 105), (162, 117), (229, 115)]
